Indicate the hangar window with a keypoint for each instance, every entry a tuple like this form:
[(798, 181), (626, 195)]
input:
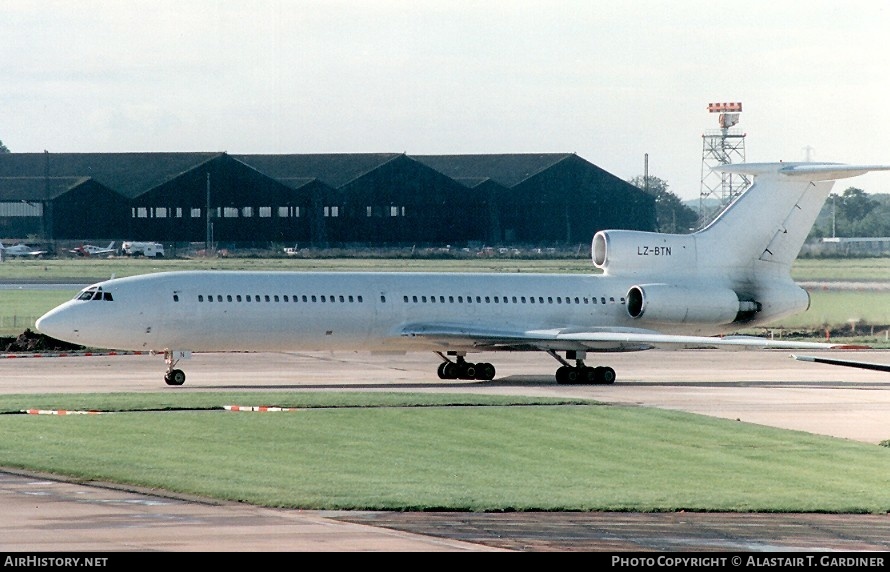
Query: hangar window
[(178, 212), (265, 212), (140, 212), (160, 212), (196, 212), (283, 212), (332, 212), (247, 212), (396, 211), (230, 212)]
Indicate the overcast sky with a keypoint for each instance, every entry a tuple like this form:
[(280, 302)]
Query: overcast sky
[(608, 80)]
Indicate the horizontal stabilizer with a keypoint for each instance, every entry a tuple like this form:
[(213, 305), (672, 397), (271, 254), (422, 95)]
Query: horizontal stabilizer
[(811, 171)]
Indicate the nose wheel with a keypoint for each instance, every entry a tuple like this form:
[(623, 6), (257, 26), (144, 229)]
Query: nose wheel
[(173, 376)]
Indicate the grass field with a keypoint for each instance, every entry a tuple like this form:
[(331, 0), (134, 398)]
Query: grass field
[(438, 452)]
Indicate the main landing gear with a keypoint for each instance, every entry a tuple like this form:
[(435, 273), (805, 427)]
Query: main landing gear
[(462, 369), (173, 376), (568, 374), (580, 373)]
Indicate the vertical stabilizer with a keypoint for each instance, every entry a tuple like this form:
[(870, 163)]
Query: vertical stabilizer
[(770, 221)]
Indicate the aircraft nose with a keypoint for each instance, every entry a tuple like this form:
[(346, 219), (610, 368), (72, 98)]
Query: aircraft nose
[(52, 324)]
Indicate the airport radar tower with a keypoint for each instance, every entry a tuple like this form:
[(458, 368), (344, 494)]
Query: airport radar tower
[(721, 147)]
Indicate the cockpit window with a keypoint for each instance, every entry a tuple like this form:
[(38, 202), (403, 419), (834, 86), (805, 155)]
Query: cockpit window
[(94, 293)]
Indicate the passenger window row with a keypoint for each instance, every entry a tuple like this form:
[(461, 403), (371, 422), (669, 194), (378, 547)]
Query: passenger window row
[(332, 298), (309, 298), (508, 299)]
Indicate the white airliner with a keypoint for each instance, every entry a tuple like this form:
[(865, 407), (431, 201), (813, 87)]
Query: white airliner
[(656, 291), (21, 249)]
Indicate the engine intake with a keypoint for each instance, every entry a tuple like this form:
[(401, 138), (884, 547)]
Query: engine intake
[(630, 252), (668, 303)]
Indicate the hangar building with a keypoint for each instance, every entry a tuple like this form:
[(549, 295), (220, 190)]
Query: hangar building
[(315, 199)]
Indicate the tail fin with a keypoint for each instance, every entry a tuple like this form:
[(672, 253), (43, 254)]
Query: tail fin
[(770, 221)]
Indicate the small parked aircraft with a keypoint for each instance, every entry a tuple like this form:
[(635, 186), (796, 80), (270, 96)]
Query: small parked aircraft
[(91, 250), (21, 249)]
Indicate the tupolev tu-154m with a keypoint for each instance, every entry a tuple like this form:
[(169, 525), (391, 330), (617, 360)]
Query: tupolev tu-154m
[(655, 291)]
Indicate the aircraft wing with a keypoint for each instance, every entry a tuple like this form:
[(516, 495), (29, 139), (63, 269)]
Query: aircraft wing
[(844, 362), (597, 340)]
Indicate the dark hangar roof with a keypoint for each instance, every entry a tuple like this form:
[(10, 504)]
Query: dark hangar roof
[(37, 188), (334, 169), (507, 169), (130, 174)]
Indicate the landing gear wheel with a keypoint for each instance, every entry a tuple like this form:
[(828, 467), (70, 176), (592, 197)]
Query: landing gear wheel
[(175, 377), (484, 371), (567, 375), (604, 375), (467, 371)]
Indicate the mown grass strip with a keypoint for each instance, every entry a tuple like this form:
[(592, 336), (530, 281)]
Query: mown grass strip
[(470, 453)]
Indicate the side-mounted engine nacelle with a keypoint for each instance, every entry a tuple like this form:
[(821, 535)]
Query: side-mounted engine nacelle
[(627, 252), (673, 304)]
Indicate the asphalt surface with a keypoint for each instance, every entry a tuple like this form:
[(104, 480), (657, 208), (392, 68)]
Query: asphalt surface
[(763, 387)]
